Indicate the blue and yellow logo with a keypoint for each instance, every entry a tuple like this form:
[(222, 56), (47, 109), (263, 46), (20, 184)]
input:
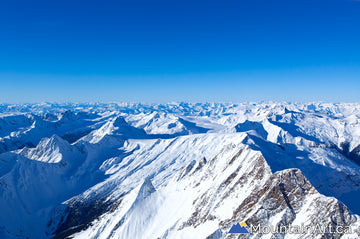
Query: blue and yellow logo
[(239, 228)]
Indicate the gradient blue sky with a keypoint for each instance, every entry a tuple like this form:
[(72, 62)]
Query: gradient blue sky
[(179, 50)]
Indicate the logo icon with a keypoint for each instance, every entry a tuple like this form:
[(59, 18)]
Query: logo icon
[(239, 228)]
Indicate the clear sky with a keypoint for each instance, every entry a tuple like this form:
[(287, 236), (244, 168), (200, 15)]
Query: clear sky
[(180, 50)]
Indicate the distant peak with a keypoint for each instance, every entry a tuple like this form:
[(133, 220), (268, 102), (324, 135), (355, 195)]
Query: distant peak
[(119, 121), (54, 141), (67, 116), (50, 150)]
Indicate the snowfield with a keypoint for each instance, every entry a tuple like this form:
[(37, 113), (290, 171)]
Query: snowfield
[(178, 170)]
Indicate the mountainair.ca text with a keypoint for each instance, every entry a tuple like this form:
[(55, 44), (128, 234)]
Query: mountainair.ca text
[(302, 229)]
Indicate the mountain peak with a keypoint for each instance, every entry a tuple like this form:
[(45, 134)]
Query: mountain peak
[(49, 150), (54, 141), (146, 189), (119, 121), (68, 115)]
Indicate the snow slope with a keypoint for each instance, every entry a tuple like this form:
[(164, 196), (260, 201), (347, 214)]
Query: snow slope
[(177, 170)]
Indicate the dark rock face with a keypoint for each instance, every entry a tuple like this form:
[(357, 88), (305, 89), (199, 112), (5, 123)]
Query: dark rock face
[(353, 155), (286, 193), (76, 217)]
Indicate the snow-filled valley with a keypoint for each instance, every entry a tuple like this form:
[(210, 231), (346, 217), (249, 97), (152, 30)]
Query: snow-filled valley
[(178, 170)]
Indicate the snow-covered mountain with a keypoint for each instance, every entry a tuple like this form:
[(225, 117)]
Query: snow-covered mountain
[(178, 170)]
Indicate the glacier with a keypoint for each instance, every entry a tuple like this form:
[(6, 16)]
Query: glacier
[(178, 170)]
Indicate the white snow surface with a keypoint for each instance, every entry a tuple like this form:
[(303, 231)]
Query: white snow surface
[(176, 170)]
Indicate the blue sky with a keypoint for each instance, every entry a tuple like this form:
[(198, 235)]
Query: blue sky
[(179, 50)]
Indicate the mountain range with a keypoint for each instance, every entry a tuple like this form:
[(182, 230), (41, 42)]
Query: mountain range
[(178, 170)]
